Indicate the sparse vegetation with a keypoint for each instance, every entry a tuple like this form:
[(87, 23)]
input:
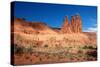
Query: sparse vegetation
[(18, 49), (68, 50), (45, 45), (89, 47)]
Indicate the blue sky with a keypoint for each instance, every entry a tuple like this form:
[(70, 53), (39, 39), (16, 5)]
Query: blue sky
[(54, 14)]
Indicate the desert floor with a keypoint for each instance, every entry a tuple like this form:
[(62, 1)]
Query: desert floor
[(50, 48)]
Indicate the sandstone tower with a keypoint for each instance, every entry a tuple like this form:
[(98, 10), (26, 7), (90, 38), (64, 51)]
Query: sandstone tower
[(75, 26), (66, 27)]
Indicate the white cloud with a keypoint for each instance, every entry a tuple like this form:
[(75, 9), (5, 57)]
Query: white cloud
[(93, 22), (93, 26), (91, 29)]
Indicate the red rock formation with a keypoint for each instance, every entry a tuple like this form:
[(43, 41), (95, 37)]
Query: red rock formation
[(76, 24), (66, 27), (74, 27)]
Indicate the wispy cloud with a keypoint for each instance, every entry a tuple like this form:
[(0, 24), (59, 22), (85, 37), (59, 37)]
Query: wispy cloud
[(93, 22), (91, 29)]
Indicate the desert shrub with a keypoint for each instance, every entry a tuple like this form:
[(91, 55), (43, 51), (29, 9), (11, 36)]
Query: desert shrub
[(85, 47), (92, 53), (30, 50), (80, 51), (21, 49), (52, 39), (45, 45), (40, 59), (89, 47), (27, 57), (31, 60), (18, 37), (68, 55), (48, 57), (78, 56), (34, 46), (18, 49), (70, 47)]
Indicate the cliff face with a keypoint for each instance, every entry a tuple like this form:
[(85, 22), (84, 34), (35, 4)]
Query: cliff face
[(75, 26)]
